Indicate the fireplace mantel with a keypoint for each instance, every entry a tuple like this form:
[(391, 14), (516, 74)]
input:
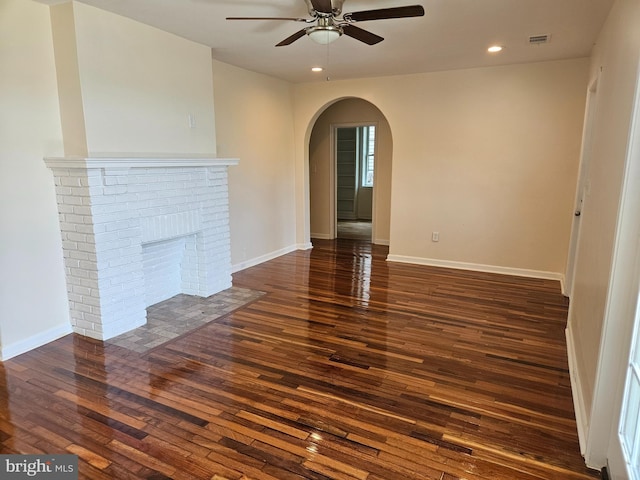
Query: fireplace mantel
[(132, 161)]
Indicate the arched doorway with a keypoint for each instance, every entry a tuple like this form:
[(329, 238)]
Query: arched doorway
[(323, 169)]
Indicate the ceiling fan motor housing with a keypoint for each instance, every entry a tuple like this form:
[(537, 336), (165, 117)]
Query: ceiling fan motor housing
[(326, 31), (329, 27)]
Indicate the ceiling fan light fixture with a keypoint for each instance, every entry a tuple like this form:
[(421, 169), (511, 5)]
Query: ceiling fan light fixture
[(324, 34)]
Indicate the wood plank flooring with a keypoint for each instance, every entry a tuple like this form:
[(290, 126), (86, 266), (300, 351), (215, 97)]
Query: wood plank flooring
[(349, 367)]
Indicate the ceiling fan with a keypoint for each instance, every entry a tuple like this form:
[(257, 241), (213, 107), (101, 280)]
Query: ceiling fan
[(330, 23)]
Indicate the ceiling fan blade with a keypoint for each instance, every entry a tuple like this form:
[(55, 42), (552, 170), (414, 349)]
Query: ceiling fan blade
[(384, 13), (268, 18), (362, 35), (322, 6), (296, 36)]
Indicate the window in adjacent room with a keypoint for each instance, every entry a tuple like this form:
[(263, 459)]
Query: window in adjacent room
[(368, 154)]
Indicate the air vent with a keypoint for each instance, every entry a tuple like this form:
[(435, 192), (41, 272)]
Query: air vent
[(539, 39)]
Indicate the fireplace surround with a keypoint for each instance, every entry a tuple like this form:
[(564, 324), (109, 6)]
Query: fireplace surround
[(138, 230)]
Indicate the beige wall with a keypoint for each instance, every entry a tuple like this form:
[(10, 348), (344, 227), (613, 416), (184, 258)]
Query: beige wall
[(255, 124), (33, 298), (602, 305), (68, 75), (349, 111), (137, 85), (130, 87), (487, 157)]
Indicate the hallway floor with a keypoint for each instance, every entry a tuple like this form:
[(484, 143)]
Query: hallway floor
[(355, 230)]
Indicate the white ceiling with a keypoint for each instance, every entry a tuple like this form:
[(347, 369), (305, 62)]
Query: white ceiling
[(453, 34)]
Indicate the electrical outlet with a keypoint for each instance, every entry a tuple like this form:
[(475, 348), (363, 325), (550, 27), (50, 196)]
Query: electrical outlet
[(435, 236)]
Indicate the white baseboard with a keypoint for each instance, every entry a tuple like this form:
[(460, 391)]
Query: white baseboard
[(322, 236), (35, 341), (304, 246), (269, 256), (518, 272), (582, 420), (326, 236)]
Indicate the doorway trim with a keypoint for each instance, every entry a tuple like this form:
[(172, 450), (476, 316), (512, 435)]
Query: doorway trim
[(333, 177)]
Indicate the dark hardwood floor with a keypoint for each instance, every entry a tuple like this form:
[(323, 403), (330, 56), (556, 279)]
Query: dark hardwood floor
[(349, 367)]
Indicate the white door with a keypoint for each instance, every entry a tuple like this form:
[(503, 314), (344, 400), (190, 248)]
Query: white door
[(626, 462), (623, 454), (583, 186), (629, 426)]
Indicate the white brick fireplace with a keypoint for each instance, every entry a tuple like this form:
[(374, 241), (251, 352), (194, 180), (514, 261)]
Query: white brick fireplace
[(136, 231)]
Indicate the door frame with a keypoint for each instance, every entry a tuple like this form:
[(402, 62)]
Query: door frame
[(333, 176)]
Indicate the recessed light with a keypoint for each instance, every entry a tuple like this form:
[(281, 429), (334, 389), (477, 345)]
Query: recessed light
[(494, 49), (317, 69)]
